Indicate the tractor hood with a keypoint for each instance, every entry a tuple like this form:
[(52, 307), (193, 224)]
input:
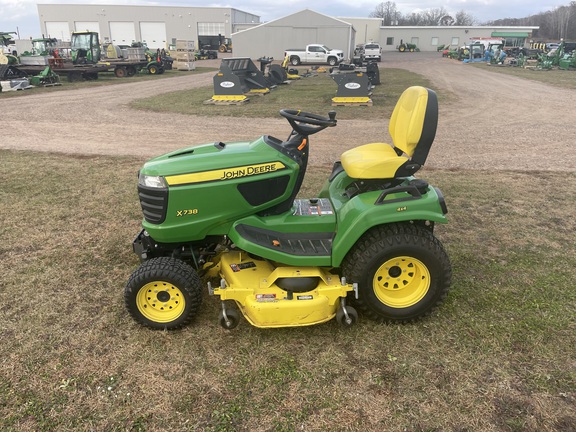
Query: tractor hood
[(222, 157), (198, 191)]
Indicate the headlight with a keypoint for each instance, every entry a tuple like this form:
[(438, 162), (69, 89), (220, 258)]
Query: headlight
[(152, 181)]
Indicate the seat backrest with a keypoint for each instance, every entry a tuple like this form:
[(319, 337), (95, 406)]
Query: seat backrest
[(414, 121)]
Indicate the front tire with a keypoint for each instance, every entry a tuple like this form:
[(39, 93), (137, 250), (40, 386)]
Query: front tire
[(402, 270), (163, 293), (332, 61)]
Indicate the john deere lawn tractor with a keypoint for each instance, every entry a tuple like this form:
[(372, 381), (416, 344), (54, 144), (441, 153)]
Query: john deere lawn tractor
[(227, 213)]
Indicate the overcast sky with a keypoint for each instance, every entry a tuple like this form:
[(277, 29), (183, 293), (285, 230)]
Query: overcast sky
[(23, 14)]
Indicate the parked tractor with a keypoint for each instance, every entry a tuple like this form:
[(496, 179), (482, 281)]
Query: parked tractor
[(403, 47)]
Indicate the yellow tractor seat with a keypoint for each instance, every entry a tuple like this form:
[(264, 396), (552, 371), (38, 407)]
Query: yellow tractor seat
[(412, 128)]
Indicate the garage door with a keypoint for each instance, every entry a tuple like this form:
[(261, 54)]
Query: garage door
[(153, 34), (58, 30), (122, 33), (91, 26)]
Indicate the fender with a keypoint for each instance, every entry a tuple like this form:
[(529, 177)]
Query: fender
[(369, 209)]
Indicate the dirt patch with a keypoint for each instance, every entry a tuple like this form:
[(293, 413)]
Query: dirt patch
[(495, 122)]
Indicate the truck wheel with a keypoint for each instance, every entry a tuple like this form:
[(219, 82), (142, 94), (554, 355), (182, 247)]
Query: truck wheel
[(131, 70), (402, 270), (294, 60), (163, 293), (332, 61), (121, 72)]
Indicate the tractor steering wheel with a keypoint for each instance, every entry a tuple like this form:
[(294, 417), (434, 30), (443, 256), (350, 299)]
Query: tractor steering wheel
[(305, 123)]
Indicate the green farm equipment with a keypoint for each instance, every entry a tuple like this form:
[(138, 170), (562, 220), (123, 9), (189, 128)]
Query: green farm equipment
[(85, 48), (228, 213), (46, 78), (403, 47)]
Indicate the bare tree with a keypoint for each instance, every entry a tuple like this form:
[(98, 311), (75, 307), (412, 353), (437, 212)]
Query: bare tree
[(387, 11), (464, 19)]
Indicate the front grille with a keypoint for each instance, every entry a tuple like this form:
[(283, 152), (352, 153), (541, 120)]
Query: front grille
[(154, 203)]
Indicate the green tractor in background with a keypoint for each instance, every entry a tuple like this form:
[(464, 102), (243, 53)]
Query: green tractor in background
[(85, 48), (403, 47)]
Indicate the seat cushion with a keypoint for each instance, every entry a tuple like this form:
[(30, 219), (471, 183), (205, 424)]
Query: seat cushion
[(372, 161)]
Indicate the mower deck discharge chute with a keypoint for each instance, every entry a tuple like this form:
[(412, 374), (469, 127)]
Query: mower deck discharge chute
[(227, 213)]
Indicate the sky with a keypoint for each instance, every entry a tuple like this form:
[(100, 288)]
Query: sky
[(22, 15)]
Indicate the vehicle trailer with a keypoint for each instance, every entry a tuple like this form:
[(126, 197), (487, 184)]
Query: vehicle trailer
[(71, 71)]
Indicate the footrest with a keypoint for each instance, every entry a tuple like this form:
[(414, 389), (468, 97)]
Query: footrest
[(299, 244)]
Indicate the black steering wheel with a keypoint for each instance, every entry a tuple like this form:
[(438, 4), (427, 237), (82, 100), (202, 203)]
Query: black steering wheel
[(306, 123)]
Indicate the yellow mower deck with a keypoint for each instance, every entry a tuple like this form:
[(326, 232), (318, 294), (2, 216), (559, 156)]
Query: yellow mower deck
[(253, 285)]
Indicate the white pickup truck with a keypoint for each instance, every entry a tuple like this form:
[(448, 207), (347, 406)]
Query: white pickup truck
[(372, 51), (315, 53)]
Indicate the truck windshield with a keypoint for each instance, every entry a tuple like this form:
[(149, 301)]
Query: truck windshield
[(326, 48)]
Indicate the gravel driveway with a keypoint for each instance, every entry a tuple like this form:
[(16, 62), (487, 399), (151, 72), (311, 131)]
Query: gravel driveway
[(495, 121)]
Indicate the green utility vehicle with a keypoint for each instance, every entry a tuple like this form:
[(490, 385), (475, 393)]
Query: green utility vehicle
[(228, 213)]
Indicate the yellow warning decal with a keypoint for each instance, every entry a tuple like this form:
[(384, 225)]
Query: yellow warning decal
[(224, 174)]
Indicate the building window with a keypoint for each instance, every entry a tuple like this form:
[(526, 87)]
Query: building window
[(389, 41), (211, 29), (455, 41), (434, 41)]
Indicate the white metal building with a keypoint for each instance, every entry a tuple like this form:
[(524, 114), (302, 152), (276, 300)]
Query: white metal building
[(294, 31), (430, 38), (157, 26)]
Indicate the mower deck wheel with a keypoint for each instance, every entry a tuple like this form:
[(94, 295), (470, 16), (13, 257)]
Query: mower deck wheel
[(347, 321), (231, 320)]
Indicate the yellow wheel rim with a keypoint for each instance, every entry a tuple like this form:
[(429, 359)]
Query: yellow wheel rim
[(160, 301), (401, 282)]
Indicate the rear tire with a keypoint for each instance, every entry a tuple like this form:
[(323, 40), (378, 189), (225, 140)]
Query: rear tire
[(294, 60), (163, 293), (402, 270), (153, 69)]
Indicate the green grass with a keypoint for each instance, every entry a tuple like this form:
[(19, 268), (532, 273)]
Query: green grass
[(312, 94), (556, 77), (497, 356)]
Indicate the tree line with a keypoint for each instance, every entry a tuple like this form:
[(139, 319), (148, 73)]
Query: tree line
[(554, 25)]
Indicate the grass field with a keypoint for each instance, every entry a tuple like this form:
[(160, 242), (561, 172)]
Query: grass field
[(312, 94), (498, 356), (555, 77)]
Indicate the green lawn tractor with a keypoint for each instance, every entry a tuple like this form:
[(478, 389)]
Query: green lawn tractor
[(227, 213)]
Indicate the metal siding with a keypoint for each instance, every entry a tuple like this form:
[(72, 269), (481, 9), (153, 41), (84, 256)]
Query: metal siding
[(58, 30), (92, 26), (180, 22), (294, 31), (444, 35), (122, 32), (153, 34)]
